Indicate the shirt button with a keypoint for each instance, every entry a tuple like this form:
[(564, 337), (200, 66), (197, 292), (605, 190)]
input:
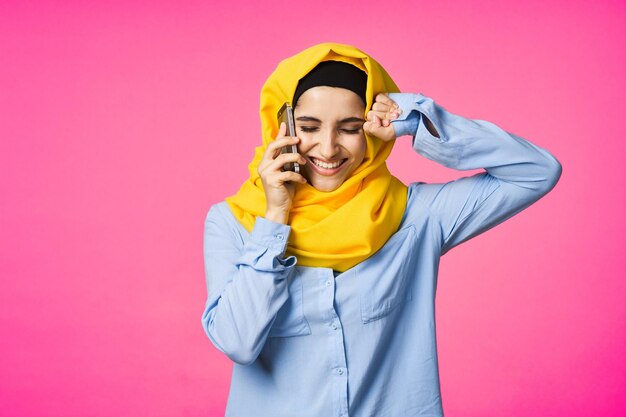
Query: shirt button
[(279, 237), (340, 371), (328, 283), (334, 325)]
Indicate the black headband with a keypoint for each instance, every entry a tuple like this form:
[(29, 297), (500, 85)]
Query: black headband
[(333, 74)]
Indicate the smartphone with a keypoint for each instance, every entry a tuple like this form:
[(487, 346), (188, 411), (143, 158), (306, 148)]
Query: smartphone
[(285, 114)]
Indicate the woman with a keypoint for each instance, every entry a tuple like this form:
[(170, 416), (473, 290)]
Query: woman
[(322, 284)]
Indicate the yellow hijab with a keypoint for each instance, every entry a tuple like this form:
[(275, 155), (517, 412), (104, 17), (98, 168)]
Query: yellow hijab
[(340, 228)]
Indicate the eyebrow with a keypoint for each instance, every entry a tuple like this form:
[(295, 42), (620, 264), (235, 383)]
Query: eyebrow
[(313, 119)]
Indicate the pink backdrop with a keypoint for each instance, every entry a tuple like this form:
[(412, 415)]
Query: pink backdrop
[(121, 124)]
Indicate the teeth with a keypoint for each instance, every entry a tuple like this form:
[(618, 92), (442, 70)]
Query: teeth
[(325, 165)]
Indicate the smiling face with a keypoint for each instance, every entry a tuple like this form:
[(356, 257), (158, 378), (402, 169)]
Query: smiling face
[(329, 123)]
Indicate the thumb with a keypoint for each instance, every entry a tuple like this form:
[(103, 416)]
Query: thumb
[(374, 127)]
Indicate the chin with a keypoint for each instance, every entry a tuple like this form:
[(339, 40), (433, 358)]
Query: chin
[(325, 187)]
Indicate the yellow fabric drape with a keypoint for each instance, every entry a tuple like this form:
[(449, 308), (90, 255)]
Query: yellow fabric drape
[(340, 228)]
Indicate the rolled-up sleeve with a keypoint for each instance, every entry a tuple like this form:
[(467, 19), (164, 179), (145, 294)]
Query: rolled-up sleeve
[(246, 284), (518, 173)]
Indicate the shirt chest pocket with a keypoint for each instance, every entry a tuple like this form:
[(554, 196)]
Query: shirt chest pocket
[(290, 319), (384, 278)]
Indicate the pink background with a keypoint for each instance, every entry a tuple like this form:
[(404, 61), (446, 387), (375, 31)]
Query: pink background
[(122, 123)]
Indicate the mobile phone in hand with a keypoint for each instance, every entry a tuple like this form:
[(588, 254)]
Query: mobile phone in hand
[(285, 114)]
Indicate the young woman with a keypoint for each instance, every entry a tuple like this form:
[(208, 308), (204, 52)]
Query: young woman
[(321, 285)]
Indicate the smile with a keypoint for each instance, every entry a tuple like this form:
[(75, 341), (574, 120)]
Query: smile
[(325, 168)]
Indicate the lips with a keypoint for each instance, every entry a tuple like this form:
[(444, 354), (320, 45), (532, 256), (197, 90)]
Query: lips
[(326, 168)]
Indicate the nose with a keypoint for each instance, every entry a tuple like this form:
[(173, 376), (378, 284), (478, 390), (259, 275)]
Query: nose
[(328, 144)]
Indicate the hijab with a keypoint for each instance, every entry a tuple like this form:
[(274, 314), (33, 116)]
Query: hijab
[(340, 228)]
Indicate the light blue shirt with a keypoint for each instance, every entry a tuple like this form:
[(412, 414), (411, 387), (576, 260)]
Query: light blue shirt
[(308, 342)]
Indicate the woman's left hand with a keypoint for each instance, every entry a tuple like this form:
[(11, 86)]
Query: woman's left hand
[(384, 110)]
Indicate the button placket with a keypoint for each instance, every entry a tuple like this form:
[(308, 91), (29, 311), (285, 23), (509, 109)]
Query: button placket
[(335, 339)]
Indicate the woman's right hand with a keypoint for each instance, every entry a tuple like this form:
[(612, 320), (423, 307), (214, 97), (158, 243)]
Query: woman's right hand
[(278, 184)]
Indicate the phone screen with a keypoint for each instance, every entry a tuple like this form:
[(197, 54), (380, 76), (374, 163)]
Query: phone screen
[(285, 114)]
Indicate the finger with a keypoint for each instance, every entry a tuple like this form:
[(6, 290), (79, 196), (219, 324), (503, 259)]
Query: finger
[(384, 98), (370, 115), (382, 107), (383, 115), (287, 176), (277, 164), (277, 179), (367, 127), (372, 129), (274, 147), (381, 132), (373, 124), (284, 158), (282, 129), (373, 115), (268, 167), (386, 111)]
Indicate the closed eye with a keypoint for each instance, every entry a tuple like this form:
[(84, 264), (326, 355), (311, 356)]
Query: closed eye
[(315, 129)]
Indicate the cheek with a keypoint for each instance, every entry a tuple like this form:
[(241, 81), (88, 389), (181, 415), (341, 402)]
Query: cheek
[(306, 142), (359, 149)]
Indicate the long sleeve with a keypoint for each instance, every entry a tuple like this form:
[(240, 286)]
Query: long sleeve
[(246, 283), (518, 173)]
